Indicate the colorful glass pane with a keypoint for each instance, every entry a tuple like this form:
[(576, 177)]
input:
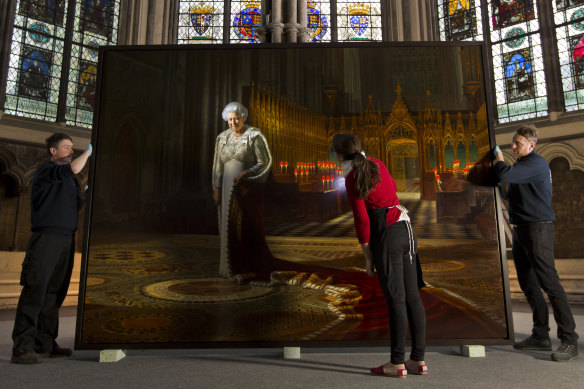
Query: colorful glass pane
[(460, 20), (37, 50), (520, 84), (97, 16), (87, 83), (509, 12), (359, 21), (50, 11), (200, 21), (569, 20), (246, 17), (96, 24), (515, 37), (567, 4), (40, 33), (577, 20), (35, 73), (318, 21), (36, 55)]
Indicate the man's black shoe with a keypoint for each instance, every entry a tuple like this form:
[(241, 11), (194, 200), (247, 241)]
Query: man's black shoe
[(566, 352), (532, 343), (57, 352), (27, 358)]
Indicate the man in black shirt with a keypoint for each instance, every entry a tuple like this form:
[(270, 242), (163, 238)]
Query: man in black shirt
[(530, 212), (47, 266)]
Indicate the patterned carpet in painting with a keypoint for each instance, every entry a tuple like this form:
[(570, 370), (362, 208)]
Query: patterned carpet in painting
[(164, 289)]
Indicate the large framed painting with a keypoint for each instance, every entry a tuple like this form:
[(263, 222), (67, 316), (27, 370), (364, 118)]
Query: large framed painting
[(273, 260)]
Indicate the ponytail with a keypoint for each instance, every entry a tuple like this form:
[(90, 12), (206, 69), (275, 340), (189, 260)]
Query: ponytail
[(366, 176)]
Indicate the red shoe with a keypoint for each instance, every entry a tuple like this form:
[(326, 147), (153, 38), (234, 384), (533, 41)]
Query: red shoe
[(417, 369), (401, 373)]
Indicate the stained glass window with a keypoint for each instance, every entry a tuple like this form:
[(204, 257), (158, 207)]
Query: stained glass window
[(96, 24), (514, 32), (36, 55), (520, 88), (569, 21), (37, 52), (460, 20), (359, 20), (246, 18), (200, 21), (318, 20)]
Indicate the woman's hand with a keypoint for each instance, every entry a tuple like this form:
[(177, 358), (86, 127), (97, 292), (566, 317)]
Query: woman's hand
[(369, 267), (240, 176), (217, 195)]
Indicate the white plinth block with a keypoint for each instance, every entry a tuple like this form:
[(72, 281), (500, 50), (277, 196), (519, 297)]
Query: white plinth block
[(111, 355), (472, 351), (291, 352)]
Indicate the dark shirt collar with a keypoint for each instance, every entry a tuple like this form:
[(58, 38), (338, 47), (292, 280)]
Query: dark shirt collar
[(527, 156)]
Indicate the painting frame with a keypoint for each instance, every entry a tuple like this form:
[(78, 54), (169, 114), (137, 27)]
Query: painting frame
[(485, 88)]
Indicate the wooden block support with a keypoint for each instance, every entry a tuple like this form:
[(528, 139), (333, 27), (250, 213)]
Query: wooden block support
[(291, 352), (472, 351), (111, 355)]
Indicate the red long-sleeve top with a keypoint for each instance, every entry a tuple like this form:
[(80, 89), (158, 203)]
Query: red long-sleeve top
[(383, 195)]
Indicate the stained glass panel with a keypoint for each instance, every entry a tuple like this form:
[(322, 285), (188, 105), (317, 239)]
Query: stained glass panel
[(569, 19), (518, 68), (38, 47), (96, 24), (506, 13), (49, 11), (359, 20), (97, 16), (562, 5), (460, 20), (36, 55), (246, 18), (200, 21), (319, 20)]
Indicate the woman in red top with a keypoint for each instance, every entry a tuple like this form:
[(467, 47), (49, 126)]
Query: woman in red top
[(389, 246)]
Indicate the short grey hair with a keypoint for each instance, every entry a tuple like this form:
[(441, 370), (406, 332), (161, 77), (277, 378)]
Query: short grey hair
[(529, 132), (235, 107)]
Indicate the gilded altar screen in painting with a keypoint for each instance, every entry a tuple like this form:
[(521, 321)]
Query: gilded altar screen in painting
[(276, 261)]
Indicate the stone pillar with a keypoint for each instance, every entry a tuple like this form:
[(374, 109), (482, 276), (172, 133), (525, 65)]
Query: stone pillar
[(276, 26), (303, 34), (393, 20), (147, 22), (292, 26)]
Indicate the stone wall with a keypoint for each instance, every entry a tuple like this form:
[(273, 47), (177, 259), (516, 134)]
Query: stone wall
[(568, 205)]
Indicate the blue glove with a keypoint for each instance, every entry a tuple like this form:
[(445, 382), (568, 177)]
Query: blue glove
[(85, 188), (494, 152), (90, 148)]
